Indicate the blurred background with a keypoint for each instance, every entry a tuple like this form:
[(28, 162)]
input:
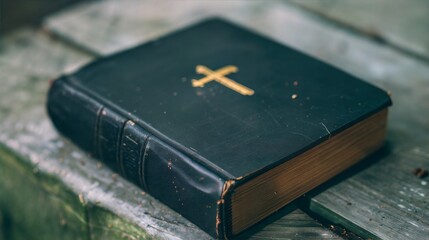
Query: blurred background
[(49, 189)]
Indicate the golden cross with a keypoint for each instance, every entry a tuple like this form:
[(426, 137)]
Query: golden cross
[(219, 76)]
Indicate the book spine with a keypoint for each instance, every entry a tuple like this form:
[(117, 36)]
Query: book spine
[(74, 114), (164, 172)]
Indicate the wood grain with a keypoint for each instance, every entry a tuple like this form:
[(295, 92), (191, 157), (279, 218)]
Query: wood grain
[(381, 198)]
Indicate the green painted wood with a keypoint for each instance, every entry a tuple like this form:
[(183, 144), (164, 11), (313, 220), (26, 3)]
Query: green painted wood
[(49, 189), (107, 225), (380, 198), (402, 23), (29, 205)]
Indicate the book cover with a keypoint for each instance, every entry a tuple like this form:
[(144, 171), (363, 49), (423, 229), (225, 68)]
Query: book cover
[(192, 116)]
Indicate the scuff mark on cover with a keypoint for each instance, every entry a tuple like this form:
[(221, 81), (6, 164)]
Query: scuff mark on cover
[(327, 130)]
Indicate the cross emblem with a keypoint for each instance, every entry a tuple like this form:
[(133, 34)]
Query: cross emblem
[(219, 76)]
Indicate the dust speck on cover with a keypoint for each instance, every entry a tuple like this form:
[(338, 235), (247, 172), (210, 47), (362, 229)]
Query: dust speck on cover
[(294, 96)]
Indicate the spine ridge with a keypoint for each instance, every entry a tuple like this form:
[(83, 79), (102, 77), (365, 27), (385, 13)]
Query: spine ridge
[(97, 132), (74, 114), (143, 164)]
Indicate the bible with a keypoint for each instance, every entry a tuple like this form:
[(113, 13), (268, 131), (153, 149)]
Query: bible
[(221, 124)]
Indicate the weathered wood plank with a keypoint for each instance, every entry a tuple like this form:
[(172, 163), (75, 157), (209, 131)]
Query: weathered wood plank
[(26, 198), (116, 25), (403, 23), (383, 200), (63, 193)]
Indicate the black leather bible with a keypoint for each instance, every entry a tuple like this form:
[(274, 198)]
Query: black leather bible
[(219, 123)]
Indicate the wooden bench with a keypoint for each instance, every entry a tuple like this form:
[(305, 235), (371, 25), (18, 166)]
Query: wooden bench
[(50, 189)]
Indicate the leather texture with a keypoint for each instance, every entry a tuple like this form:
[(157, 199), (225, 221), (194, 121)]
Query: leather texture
[(139, 111)]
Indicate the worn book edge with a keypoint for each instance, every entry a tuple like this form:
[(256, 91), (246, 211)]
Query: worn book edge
[(76, 115)]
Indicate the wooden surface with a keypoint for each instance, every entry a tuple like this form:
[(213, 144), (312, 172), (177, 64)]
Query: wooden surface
[(401, 23), (380, 198), (49, 189)]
